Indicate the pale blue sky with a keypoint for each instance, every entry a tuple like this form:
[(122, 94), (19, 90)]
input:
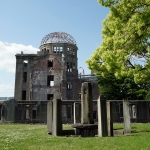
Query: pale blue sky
[(26, 22)]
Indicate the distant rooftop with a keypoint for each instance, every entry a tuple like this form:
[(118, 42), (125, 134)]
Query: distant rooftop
[(58, 37)]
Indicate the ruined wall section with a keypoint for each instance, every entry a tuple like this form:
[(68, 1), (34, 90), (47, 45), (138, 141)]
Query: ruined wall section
[(22, 78), (40, 73)]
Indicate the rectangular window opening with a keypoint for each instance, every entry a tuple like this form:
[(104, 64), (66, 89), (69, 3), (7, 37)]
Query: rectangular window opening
[(50, 80), (73, 52), (24, 95), (68, 49), (61, 49), (24, 77), (69, 86), (69, 67), (50, 63), (50, 96), (55, 49), (25, 62), (74, 66)]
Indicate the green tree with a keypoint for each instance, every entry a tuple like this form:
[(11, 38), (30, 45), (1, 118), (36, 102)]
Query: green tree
[(125, 49), (118, 89), (123, 58)]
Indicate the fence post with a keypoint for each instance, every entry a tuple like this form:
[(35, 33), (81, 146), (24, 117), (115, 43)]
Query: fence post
[(109, 118), (86, 104), (57, 117), (50, 117), (126, 117), (102, 116)]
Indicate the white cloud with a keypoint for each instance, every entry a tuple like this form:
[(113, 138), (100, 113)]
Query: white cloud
[(6, 90), (8, 52)]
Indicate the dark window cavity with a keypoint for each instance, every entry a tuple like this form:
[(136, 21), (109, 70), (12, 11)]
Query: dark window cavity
[(50, 96), (50, 80)]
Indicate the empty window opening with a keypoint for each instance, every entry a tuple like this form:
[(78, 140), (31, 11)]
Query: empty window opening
[(23, 95), (73, 65), (73, 52), (61, 49), (50, 96), (50, 80), (69, 67), (68, 49), (58, 49), (33, 114), (25, 62), (69, 86), (50, 63), (24, 77), (55, 49), (47, 50)]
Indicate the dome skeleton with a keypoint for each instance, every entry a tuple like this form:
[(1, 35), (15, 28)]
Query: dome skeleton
[(58, 37)]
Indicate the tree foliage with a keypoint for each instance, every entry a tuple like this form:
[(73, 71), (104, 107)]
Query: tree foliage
[(125, 88), (123, 59), (125, 50)]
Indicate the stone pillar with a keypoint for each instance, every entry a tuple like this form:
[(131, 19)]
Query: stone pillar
[(109, 118), (57, 117), (49, 117), (102, 116), (126, 117), (86, 104)]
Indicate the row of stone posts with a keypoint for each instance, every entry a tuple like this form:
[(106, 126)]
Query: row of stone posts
[(87, 127)]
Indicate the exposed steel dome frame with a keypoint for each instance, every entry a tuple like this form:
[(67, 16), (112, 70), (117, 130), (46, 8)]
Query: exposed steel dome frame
[(58, 37)]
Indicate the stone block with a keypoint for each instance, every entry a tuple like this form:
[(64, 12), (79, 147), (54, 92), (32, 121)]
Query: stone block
[(57, 117), (102, 116), (86, 104), (126, 117)]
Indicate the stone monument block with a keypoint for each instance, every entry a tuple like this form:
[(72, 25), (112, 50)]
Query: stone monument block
[(126, 117), (50, 117), (102, 116), (86, 104), (57, 117)]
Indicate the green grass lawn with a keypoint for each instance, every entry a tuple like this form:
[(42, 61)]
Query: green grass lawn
[(35, 137)]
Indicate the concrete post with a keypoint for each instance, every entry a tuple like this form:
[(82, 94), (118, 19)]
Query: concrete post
[(86, 104), (102, 116), (109, 118), (57, 117), (126, 117), (50, 117)]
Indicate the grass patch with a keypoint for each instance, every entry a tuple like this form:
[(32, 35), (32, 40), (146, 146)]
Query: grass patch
[(35, 137)]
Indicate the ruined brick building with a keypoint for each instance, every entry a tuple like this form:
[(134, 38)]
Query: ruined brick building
[(51, 73)]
